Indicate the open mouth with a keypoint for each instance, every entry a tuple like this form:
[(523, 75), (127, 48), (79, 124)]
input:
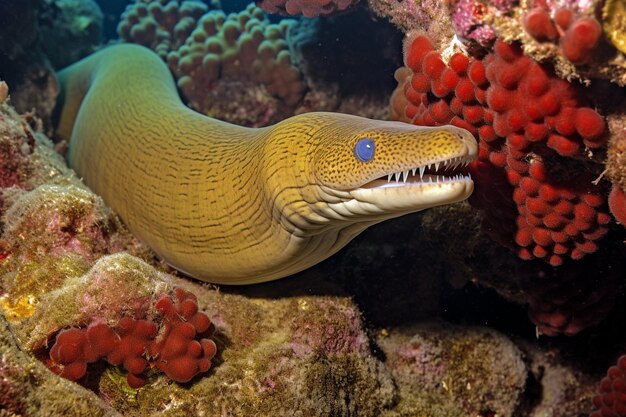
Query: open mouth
[(446, 171)]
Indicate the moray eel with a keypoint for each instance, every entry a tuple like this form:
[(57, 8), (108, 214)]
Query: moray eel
[(235, 205)]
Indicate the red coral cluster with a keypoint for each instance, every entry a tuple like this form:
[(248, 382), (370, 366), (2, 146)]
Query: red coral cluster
[(577, 36), (617, 204), (569, 300), (307, 8), (179, 346), (531, 177), (611, 402)]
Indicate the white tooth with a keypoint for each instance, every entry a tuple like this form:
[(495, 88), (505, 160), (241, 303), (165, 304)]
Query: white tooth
[(406, 175), (388, 177), (437, 166), (413, 171), (422, 169)]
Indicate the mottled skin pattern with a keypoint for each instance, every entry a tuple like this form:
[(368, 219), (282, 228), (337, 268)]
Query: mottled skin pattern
[(229, 204)]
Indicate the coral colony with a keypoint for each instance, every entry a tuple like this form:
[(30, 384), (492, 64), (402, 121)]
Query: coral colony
[(524, 117), (177, 343)]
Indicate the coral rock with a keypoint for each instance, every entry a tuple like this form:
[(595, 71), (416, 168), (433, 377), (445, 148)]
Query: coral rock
[(445, 370), (473, 19), (532, 127)]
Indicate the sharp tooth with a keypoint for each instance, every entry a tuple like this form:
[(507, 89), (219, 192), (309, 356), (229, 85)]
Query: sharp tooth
[(389, 178), (436, 166), (406, 175), (413, 171), (422, 169)]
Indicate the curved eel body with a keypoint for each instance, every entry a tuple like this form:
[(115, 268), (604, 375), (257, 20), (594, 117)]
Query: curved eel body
[(235, 205)]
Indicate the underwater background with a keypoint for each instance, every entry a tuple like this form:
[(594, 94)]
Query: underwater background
[(508, 304)]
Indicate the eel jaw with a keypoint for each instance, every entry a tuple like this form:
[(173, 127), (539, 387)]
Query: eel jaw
[(418, 188)]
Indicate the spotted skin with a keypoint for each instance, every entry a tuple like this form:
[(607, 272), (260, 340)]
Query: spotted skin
[(229, 204)]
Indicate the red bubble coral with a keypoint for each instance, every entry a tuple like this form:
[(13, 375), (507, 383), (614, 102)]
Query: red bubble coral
[(617, 204), (532, 128), (179, 345), (611, 401), (178, 351), (580, 39), (577, 35)]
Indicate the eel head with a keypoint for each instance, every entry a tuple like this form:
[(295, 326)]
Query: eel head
[(360, 171)]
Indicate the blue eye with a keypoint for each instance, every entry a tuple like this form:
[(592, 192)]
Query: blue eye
[(364, 149)]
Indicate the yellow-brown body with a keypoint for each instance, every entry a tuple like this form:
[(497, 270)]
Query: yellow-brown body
[(224, 203)]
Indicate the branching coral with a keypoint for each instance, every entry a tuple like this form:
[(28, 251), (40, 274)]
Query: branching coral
[(177, 343), (533, 178)]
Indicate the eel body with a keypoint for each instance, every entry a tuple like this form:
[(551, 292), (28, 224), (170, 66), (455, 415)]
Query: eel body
[(235, 205)]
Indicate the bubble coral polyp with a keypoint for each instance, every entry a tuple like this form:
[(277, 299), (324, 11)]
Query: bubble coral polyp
[(178, 344), (531, 178), (577, 35), (611, 401)]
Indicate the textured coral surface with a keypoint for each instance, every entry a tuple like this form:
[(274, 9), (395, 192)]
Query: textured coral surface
[(532, 175)]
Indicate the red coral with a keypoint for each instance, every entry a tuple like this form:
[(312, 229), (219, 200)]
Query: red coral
[(578, 36), (580, 39), (617, 204), (177, 351), (539, 25), (179, 347), (532, 127), (307, 8), (568, 300), (611, 401)]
